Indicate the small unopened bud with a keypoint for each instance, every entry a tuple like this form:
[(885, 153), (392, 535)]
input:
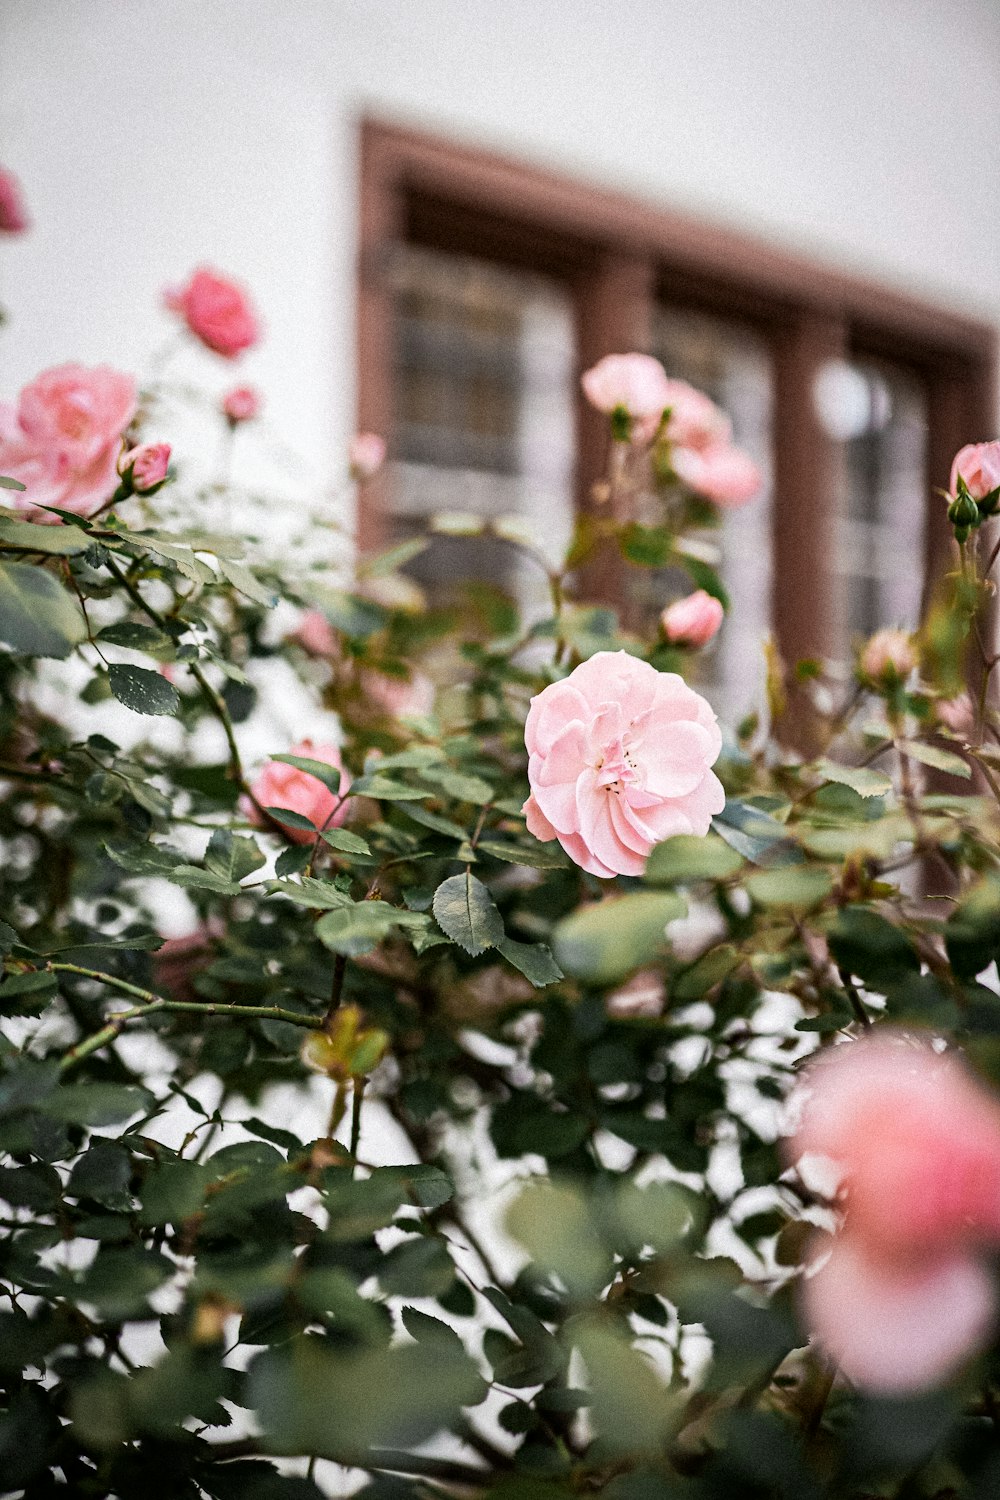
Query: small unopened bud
[(888, 657), (346, 1048), (241, 404), (963, 513), (366, 455), (144, 469)]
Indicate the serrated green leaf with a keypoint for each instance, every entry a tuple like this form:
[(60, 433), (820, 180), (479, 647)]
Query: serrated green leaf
[(861, 779), (57, 541), (934, 755), (232, 856), (244, 581), (329, 775), (465, 910), (344, 841), (143, 691), (387, 790), (360, 926), (533, 960)]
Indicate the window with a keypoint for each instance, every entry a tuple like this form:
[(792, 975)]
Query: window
[(486, 288)]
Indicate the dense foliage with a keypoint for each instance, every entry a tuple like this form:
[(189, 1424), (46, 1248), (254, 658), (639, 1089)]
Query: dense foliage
[(576, 1267)]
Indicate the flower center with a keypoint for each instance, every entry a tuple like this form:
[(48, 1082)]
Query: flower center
[(617, 769)]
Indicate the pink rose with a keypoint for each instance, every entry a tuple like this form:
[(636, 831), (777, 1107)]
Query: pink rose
[(13, 214), (147, 466), (619, 759), (241, 404), (979, 466), (366, 455), (399, 697), (903, 1296), (288, 787), (635, 383), (63, 438), (695, 420), (217, 311), (692, 621), (721, 473), (957, 714), (315, 634), (889, 653)]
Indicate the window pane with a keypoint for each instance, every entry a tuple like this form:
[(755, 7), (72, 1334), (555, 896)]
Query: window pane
[(483, 369), (732, 365), (877, 413)]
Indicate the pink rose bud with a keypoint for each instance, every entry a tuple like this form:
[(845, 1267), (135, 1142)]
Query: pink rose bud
[(63, 438), (147, 466), (241, 404), (904, 1296), (721, 473), (295, 790), (957, 714), (619, 758), (692, 621), (979, 466), (315, 634), (889, 654), (634, 383), (366, 455), (13, 214), (217, 311)]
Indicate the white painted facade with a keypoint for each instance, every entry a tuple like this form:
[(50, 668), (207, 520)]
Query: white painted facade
[(151, 135)]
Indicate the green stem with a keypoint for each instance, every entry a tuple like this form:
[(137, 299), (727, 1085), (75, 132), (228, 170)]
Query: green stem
[(356, 1101)]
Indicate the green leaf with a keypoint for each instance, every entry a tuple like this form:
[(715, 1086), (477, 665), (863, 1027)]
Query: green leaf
[(861, 779), (143, 691), (57, 541), (97, 1103), (465, 910), (386, 789), (933, 755), (359, 927), (139, 638), (457, 784), (329, 775), (607, 940), (533, 960), (27, 994), (537, 856), (866, 944), (418, 1267), (242, 579), (7, 483), (182, 557), (705, 973), (37, 615), (344, 842), (232, 856), (435, 822), (553, 1223), (972, 932), (792, 885), (686, 858), (321, 895), (143, 859), (755, 834)]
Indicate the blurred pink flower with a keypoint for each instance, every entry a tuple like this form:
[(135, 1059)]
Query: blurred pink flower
[(722, 473), (148, 466), (957, 714), (979, 466), (217, 311), (636, 383), (400, 697), (13, 214), (889, 653), (295, 790), (315, 634), (692, 621), (63, 438), (619, 759), (366, 455), (917, 1142), (241, 404)]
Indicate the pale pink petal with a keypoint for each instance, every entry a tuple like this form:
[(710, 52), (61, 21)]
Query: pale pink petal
[(537, 823)]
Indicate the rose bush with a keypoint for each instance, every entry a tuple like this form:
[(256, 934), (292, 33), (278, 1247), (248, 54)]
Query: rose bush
[(407, 1115)]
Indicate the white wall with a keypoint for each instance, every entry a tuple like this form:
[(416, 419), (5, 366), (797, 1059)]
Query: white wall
[(154, 134)]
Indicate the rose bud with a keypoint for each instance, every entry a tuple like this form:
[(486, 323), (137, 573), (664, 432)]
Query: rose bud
[(145, 468), (366, 455), (241, 404), (692, 621)]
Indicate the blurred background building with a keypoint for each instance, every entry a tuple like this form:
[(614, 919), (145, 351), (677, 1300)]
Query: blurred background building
[(445, 209)]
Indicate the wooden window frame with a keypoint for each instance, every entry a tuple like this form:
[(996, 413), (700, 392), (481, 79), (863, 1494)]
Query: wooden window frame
[(618, 257)]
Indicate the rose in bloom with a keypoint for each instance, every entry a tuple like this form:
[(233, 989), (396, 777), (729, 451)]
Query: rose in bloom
[(241, 404), (63, 438), (366, 455), (957, 714), (904, 1295), (722, 473), (619, 758), (692, 621), (13, 214), (217, 311), (295, 790), (147, 466), (889, 653), (634, 383), (979, 466)]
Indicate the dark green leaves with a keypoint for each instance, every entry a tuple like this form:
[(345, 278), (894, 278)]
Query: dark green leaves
[(603, 942), (465, 910), (143, 691), (37, 615)]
